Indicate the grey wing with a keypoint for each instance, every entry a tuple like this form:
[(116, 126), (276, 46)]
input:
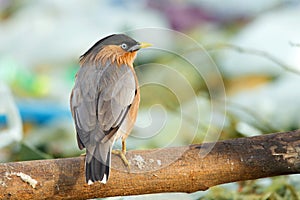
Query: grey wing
[(100, 101)]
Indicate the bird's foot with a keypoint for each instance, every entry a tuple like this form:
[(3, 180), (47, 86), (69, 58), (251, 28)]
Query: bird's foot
[(83, 154), (122, 156)]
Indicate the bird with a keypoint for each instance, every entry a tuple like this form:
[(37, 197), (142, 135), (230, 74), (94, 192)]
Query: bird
[(104, 101)]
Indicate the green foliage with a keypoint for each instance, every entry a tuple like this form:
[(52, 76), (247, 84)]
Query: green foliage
[(279, 188)]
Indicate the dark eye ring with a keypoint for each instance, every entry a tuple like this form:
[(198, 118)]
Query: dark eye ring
[(124, 46)]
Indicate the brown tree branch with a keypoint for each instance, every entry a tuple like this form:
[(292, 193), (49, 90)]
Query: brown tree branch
[(181, 169)]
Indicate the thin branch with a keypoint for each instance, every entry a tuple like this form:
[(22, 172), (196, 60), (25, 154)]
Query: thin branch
[(180, 169), (256, 52), (293, 44)]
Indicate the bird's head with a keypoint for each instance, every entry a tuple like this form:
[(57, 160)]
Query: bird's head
[(117, 48)]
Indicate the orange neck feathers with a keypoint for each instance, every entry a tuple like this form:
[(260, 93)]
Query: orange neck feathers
[(112, 53)]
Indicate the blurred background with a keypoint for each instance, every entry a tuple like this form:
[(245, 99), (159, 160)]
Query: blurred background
[(217, 70)]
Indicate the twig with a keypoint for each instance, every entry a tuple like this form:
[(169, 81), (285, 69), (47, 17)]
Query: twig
[(256, 52)]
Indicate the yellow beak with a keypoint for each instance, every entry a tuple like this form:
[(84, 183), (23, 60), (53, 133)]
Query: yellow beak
[(145, 44)]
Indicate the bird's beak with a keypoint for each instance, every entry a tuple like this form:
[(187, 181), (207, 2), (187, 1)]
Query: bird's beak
[(145, 45), (139, 46)]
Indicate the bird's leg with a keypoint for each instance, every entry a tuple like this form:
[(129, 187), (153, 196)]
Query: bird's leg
[(122, 153), (124, 146)]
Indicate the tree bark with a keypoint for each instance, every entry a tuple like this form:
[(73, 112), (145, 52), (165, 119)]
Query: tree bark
[(178, 169)]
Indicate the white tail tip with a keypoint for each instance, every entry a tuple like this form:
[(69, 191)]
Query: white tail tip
[(104, 180), (90, 182)]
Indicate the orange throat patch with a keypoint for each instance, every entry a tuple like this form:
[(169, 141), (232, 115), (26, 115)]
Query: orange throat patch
[(115, 54)]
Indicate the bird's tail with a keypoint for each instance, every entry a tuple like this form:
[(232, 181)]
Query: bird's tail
[(97, 163)]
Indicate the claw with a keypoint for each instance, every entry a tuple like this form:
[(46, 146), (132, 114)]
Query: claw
[(122, 154)]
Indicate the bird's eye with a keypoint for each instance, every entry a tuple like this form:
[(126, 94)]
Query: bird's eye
[(124, 46)]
